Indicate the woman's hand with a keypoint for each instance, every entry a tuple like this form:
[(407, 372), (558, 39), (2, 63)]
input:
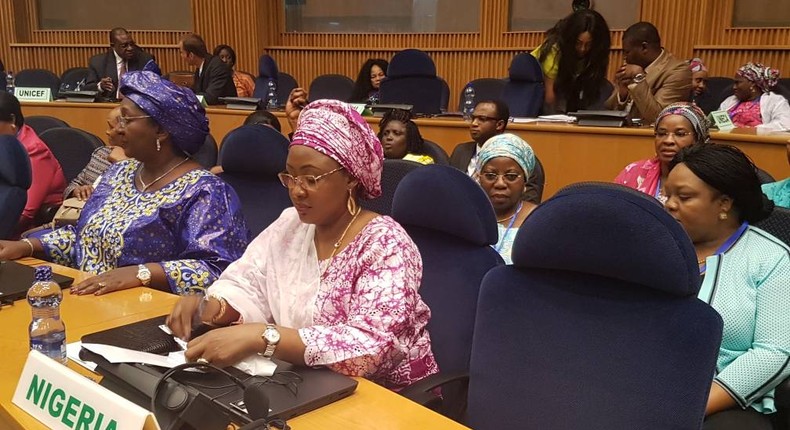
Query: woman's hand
[(227, 346), (297, 100), (180, 319), (13, 250), (113, 280), (83, 192)]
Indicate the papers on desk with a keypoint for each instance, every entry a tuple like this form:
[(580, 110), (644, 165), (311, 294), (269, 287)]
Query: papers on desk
[(254, 365), (545, 118)]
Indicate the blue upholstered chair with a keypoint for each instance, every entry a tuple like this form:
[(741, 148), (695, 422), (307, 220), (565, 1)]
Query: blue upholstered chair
[(597, 324), (285, 84), (485, 89), (524, 91), (38, 78), (72, 148), (452, 222), (394, 170), (436, 152), (73, 78), (251, 156), (267, 70), (335, 87), (208, 153), (411, 79), (445, 100), (718, 89), (42, 123), (15, 178)]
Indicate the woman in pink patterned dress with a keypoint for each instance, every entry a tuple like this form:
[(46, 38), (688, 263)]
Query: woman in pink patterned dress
[(328, 283)]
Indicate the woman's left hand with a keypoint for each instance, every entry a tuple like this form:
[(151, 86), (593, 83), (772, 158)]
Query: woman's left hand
[(113, 280), (227, 346)]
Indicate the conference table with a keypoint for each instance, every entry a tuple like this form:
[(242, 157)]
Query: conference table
[(370, 406), (569, 153)]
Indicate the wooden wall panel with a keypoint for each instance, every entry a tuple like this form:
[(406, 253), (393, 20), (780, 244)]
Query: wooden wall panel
[(688, 28)]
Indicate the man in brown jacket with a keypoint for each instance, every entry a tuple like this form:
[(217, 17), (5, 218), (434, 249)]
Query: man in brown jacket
[(651, 78)]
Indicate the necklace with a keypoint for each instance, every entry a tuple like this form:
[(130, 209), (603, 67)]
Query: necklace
[(145, 186), (518, 209), (336, 246)]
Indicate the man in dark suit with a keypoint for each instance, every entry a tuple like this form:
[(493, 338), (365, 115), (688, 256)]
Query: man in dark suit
[(488, 120), (213, 78), (104, 69)]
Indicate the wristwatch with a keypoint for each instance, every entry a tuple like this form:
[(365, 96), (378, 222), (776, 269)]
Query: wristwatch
[(144, 275), (272, 337), (639, 77)]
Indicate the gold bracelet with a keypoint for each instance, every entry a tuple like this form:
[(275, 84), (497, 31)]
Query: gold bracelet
[(223, 307), (30, 244)]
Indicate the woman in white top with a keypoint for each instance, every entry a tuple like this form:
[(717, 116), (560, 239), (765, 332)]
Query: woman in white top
[(753, 104)]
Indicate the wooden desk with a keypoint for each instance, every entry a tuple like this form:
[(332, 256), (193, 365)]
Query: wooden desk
[(569, 153), (371, 406)]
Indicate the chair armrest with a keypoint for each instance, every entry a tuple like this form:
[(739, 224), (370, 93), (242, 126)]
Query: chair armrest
[(431, 382), (782, 394)]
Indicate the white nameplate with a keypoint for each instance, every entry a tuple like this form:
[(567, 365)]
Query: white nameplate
[(359, 107), (60, 398), (722, 120), (30, 94)]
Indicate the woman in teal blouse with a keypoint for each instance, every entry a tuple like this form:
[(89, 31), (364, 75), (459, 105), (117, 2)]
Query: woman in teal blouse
[(714, 192)]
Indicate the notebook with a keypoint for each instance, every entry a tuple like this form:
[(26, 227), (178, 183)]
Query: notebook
[(16, 279), (291, 390)]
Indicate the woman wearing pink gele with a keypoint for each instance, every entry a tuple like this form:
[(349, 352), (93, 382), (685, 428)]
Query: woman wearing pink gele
[(328, 283), (754, 104)]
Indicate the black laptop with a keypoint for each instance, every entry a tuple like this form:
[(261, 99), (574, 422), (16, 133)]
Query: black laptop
[(16, 279), (292, 390)]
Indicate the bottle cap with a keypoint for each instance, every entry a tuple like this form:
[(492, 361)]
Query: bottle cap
[(43, 273)]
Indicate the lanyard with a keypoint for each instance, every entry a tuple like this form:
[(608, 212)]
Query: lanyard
[(727, 244), (658, 190), (512, 220)]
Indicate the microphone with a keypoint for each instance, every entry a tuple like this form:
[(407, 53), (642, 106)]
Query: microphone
[(256, 402)]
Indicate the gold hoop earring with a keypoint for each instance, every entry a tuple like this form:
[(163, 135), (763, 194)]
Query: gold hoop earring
[(351, 204), (723, 216), (158, 145)]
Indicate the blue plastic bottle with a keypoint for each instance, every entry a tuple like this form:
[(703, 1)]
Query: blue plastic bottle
[(271, 95), (9, 82), (469, 102), (47, 331)]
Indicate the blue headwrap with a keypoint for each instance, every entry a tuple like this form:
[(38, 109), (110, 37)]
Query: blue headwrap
[(175, 108), (510, 146)]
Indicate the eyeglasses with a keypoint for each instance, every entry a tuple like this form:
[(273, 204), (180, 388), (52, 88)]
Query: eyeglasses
[(677, 135), (123, 121), (492, 177), (482, 118), (307, 182)]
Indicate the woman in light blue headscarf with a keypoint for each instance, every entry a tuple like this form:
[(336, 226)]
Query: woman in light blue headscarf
[(503, 165)]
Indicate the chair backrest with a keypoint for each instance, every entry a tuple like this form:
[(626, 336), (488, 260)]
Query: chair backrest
[(445, 101), (15, 179), (764, 177), (335, 87), (72, 148), (598, 312), (411, 79), (251, 156), (73, 77), (38, 78), (524, 89), (778, 224), (394, 170), (718, 89), (42, 123), (436, 152), (536, 183), (207, 154), (285, 84), (452, 222), (485, 89)]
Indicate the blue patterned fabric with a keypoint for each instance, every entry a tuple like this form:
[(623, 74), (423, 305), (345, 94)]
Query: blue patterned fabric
[(193, 227), (779, 192), (175, 108), (510, 146)]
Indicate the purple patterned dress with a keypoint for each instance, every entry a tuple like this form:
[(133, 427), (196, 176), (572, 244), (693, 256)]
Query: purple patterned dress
[(359, 313), (193, 227)]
